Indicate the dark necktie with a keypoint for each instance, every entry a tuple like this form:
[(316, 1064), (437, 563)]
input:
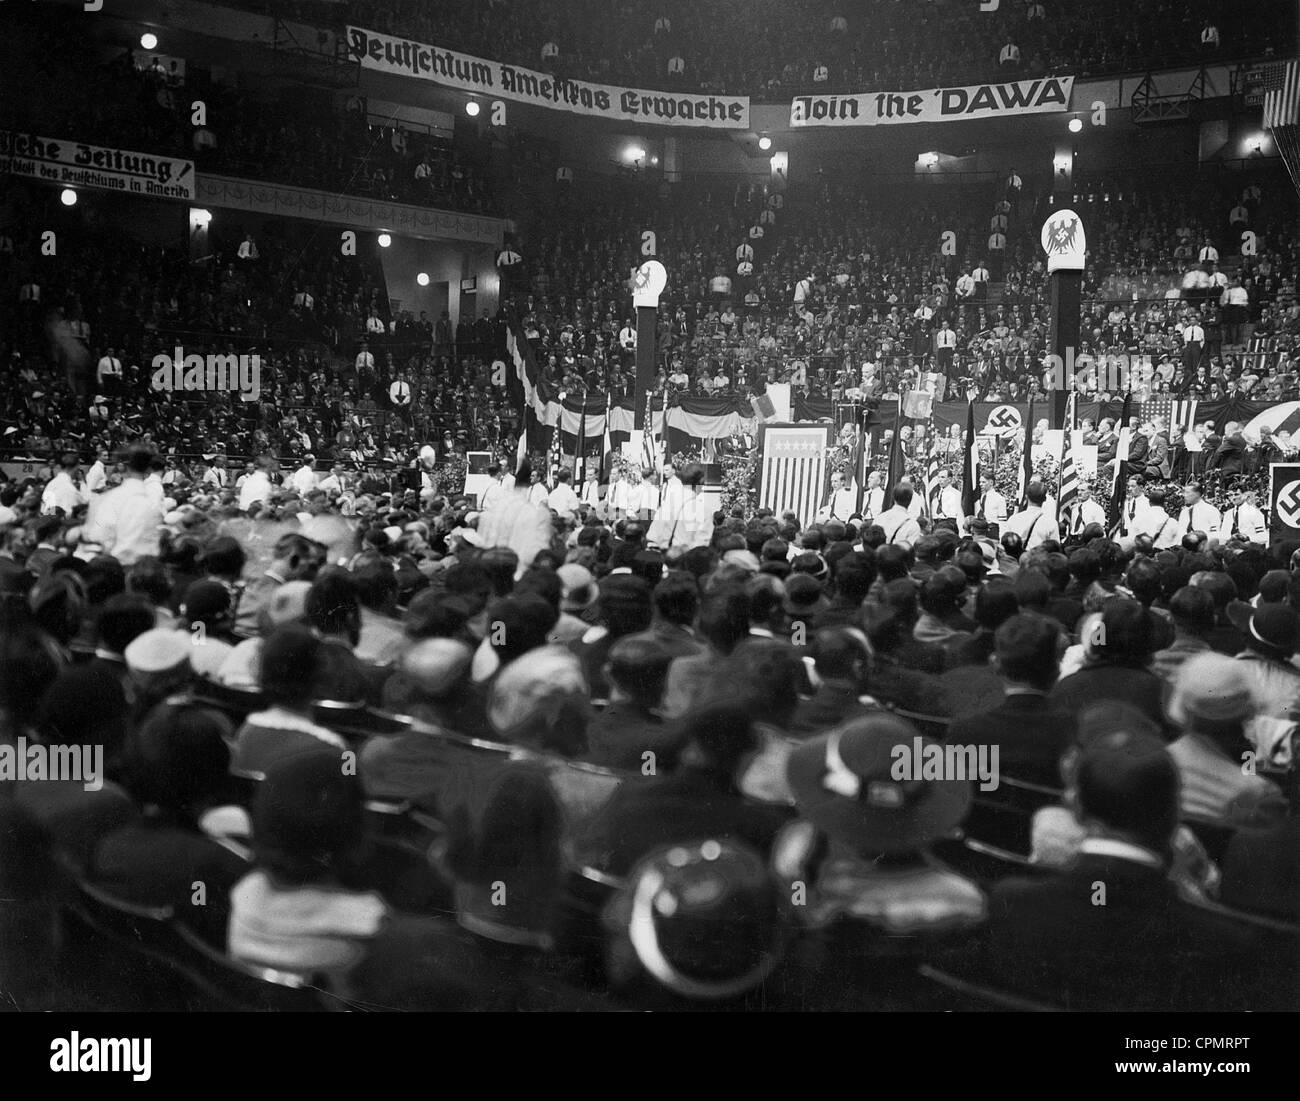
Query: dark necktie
[(983, 498)]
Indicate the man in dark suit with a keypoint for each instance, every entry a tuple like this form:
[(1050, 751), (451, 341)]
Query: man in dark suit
[(1117, 658), (840, 659), (1230, 456), (1109, 932), (1030, 732), (700, 798)]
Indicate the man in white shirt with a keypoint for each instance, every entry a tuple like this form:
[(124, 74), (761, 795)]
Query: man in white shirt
[(496, 489), (1034, 524), (365, 362), (945, 503), (1086, 511), (127, 520), (1156, 522), (97, 475), (1197, 514), (840, 504), (981, 275), (257, 486), (945, 346), (304, 478), (538, 494), (591, 487), (1193, 345), (1208, 252), (666, 505), (334, 481), (1244, 520), (216, 476), (990, 504), (897, 521), (108, 373), (562, 500), (873, 501), (62, 491), (627, 337), (965, 285), (1133, 511)]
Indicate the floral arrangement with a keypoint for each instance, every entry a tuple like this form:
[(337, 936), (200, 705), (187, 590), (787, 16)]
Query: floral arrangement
[(740, 482)]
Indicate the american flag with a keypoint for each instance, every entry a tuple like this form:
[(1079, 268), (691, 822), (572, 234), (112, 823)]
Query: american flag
[(649, 446), (1067, 486), (794, 469), (1179, 414), (1281, 89), (932, 486)]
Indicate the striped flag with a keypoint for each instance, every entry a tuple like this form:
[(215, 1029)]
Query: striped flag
[(794, 469), (1179, 414), (1281, 89), (580, 451), (1067, 487), (932, 486), (649, 445)]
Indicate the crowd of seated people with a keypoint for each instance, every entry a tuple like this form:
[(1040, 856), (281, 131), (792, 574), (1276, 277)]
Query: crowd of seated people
[(125, 103), (836, 288), (772, 50), (696, 722)]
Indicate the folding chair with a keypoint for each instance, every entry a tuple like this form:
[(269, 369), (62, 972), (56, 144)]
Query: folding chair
[(953, 992)]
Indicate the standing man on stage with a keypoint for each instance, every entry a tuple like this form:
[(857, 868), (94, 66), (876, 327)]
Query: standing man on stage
[(1244, 520), (666, 503), (591, 488), (841, 501), (1197, 514), (873, 501), (990, 505), (1133, 511), (946, 504)]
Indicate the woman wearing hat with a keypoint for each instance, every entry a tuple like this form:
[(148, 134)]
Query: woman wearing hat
[(861, 849)]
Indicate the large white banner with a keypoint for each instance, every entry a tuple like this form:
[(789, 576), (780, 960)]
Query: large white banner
[(977, 101), (385, 53), (76, 164)]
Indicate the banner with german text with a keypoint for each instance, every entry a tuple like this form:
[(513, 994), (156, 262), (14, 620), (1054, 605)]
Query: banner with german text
[(77, 164), (386, 53)]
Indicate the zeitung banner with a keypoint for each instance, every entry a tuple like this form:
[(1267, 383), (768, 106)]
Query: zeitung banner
[(386, 53), (976, 101), (77, 164)]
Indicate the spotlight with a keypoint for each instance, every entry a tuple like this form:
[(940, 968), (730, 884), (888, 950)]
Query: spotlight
[(765, 143), (385, 240), (148, 41), (633, 153), (655, 160), (472, 108), (423, 278), (1076, 125), (68, 197)]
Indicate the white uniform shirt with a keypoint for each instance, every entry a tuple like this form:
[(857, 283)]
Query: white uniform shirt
[(1248, 522), (899, 526), (1201, 516), (127, 522), (62, 493)]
